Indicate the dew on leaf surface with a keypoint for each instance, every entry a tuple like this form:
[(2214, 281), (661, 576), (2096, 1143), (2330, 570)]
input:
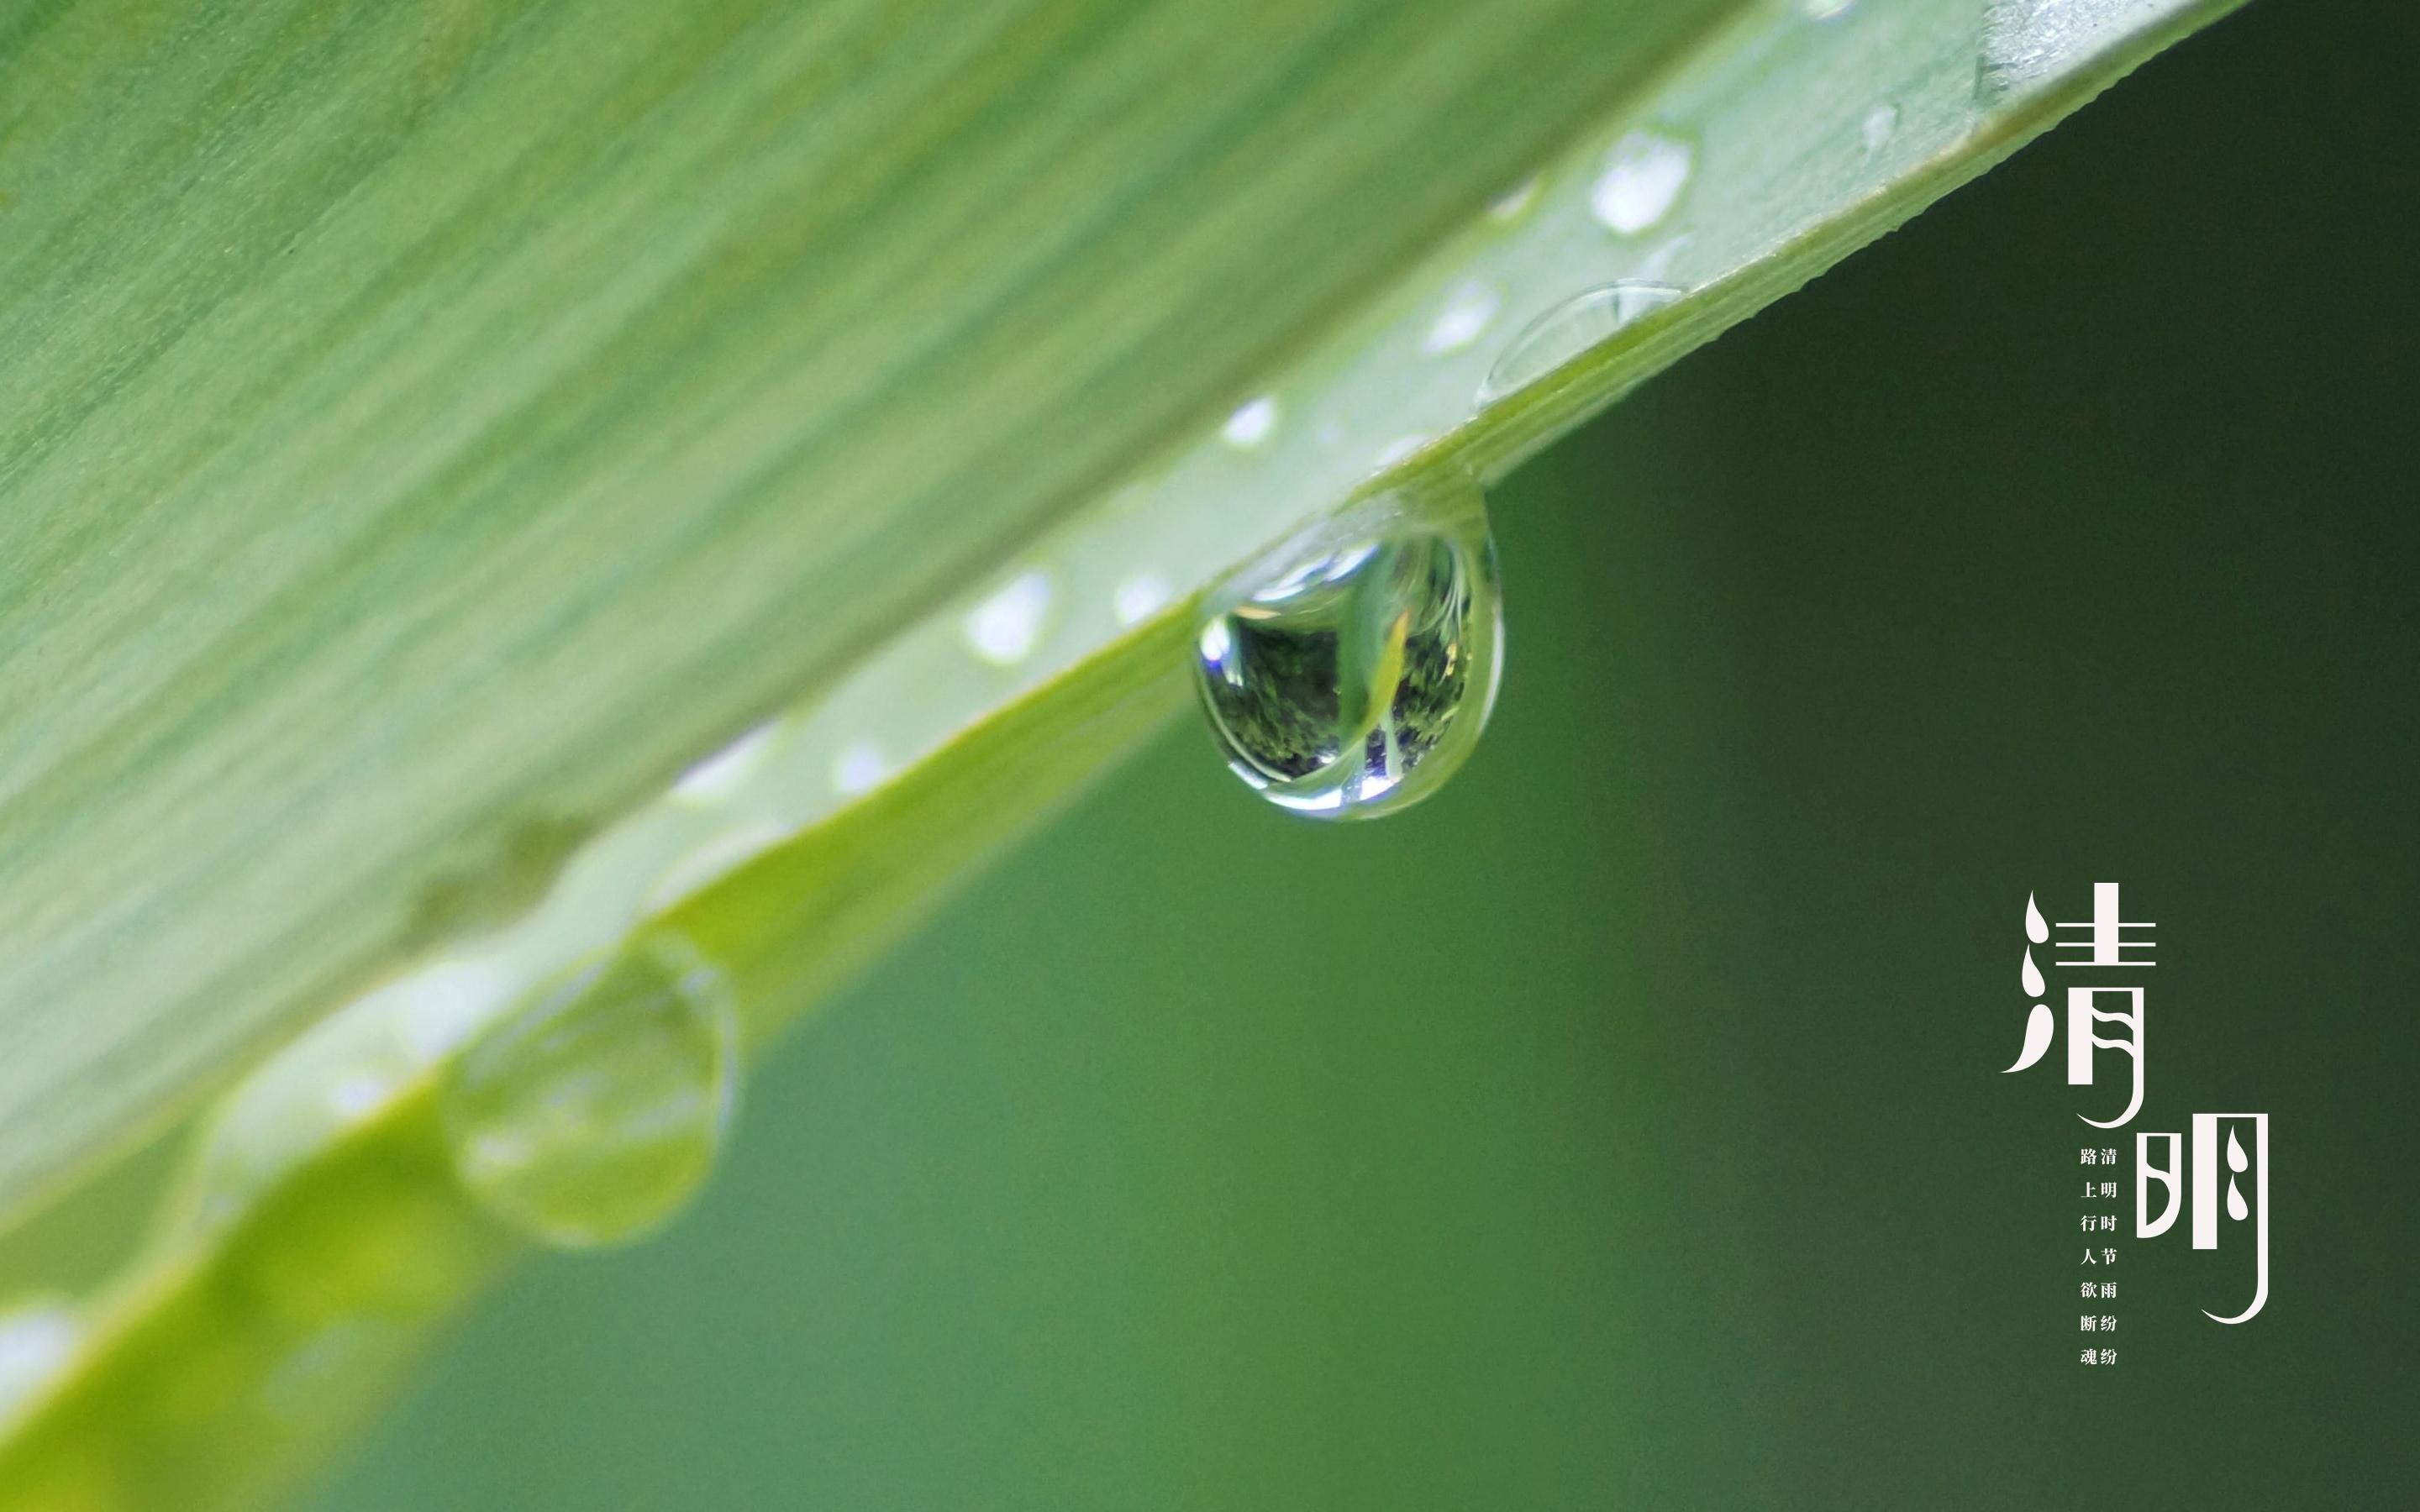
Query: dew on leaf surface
[(1570, 328)]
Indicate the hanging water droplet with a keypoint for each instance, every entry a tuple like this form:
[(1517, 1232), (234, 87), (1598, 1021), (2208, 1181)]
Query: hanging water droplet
[(1570, 328), (591, 1114), (2036, 930), (1349, 673), (2235, 1204), (2235, 1160)]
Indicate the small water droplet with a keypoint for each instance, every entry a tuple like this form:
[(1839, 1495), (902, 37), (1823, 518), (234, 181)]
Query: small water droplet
[(726, 771), (2031, 977), (1570, 328), (1003, 628), (1139, 597), (38, 1336), (590, 1115), (1251, 423), (2236, 1159), (1465, 314), (1510, 204), (1643, 176), (2036, 930), (1350, 673), (859, 769), (1879, 124), (354, 1097), (2236, 1208)]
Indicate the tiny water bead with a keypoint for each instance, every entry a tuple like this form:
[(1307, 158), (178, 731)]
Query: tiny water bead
[(1879, 124), (1004, 629), (38, 1336), (1465, 316), (1139, 597), (1510, 204), (859, 768), (591, 1114), (1642, 178), (1349, 675), (1251, 422), (1570, 328)]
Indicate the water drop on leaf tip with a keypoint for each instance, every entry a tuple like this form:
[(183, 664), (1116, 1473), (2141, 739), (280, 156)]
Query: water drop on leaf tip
[(1349, 673)]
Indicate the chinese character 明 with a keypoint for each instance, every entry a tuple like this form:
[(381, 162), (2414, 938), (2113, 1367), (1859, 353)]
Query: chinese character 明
[(2205, 1191)]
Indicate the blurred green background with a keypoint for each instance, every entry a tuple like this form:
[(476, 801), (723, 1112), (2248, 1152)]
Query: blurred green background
[(1624, 1128)]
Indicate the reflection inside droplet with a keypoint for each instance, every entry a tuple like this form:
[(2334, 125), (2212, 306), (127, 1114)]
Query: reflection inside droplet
[(1570, 328), (1350, 675), (591, 1114)]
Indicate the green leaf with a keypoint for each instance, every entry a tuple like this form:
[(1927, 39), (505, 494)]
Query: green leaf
[(424, 428), (430, 427)]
